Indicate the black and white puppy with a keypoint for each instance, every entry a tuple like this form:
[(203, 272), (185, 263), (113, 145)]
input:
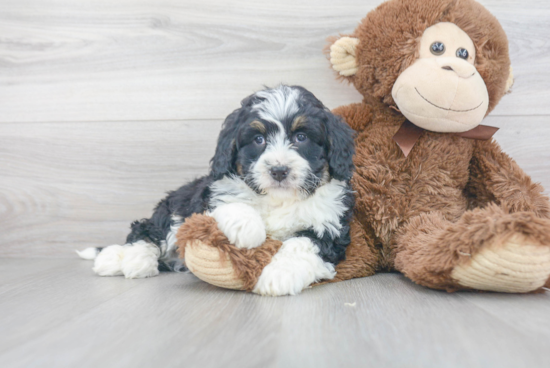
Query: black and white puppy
[(282, 169)]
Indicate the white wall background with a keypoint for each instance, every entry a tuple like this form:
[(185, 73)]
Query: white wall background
[(105, 105)]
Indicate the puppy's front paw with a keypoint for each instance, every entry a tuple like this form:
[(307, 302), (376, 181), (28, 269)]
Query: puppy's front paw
[(242, 225), (296, 266)]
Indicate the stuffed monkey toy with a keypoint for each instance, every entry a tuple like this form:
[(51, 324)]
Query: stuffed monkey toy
[(436, 198)]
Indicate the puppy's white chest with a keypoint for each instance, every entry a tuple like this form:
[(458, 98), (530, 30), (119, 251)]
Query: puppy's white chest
[(320, 212), (283, 217), (282, 221)]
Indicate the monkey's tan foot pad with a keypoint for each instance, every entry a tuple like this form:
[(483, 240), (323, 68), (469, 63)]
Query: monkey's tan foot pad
[(207, 264), (209, 255), (517, 266)]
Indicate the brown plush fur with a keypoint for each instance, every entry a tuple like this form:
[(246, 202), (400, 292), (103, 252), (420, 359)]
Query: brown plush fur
[(428, 247), (248, 263), (402, 202), (362, 257), (450, 194)]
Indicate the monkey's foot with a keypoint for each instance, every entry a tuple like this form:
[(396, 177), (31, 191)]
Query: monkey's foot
[(212, 258), (208, 265), (516, 266)]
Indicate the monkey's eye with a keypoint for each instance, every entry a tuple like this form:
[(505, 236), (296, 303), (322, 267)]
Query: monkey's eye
[(260, 140), (462, 53), (437, 48), (300, 137)]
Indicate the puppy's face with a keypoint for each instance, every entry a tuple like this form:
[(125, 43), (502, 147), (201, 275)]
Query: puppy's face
[(284, 141), (283, 157)]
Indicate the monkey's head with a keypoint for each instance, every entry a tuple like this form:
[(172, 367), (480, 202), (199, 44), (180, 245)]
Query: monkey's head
[(443, 63)]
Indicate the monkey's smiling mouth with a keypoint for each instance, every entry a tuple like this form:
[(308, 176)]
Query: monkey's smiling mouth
[(443, 108)]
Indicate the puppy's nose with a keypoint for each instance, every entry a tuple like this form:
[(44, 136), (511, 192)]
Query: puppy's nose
[(279, 173)]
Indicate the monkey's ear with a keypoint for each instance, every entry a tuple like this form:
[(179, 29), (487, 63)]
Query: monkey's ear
[(343, 56), (510, 81)]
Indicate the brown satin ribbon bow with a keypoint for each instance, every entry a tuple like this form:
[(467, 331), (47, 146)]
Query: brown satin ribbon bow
[(408, 135)]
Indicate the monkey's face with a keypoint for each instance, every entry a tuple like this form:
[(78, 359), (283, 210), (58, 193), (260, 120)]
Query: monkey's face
[(429, 73), (442, 91)]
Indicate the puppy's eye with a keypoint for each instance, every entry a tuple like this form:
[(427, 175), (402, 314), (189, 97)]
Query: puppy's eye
[(260, 140), (437, 48), (300, 137), (462, 53)]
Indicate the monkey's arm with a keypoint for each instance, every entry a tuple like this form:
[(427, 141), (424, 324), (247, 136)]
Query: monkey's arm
[(495, 177), (357, 115)]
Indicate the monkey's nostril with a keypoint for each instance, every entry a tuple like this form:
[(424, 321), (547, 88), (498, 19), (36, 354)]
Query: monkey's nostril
[(447, 68), (279, 173)]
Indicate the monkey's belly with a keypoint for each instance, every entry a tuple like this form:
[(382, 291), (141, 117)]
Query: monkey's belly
[(388, 211)]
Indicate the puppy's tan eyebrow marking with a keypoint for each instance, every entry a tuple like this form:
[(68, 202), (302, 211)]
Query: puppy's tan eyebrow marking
[(299, 122), (258, 125)]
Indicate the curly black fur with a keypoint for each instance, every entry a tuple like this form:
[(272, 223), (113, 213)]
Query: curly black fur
[(333, 249)]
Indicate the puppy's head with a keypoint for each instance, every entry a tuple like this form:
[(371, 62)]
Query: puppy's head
[(284, 141)]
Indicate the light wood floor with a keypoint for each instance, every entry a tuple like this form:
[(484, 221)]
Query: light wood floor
[(56, 313), (107, 104)]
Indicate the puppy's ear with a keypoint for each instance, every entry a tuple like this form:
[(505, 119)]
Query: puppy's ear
[(223, 161), (341, 147)]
